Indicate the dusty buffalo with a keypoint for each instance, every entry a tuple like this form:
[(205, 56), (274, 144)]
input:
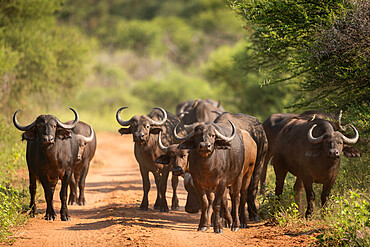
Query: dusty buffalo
[(274, 124), (217, 160), (145, 129), (199, 111), (52, 149), (86, 150), (311, 151)]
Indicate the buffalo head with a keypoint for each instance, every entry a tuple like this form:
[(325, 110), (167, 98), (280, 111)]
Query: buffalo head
[(83, 141), (332, 141), (141, 126), (205, 138), (46, 128), (175, 157)]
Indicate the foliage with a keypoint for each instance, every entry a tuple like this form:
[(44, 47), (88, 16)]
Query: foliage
[(348, 218), (44, 57), (12, 157), (244, 91)]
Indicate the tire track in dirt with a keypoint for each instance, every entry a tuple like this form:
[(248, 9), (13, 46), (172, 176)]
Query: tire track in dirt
[(112, 218)]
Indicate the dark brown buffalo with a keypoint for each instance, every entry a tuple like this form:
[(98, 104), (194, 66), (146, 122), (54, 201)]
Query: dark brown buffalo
[(199, 111), (217, 162), (86, 150), (177, 159), (52, 149), (145, 129), (273, 125), (311, 151)]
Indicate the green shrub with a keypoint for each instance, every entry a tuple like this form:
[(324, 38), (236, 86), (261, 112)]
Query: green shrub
[(348, 218)]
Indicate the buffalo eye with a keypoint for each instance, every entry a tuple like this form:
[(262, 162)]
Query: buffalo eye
[(147, 126)]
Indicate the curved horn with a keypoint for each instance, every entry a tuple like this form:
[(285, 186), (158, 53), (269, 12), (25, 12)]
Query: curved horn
[(182, 114), (340, 121), (87, 139), (312, 139), (181, 138), (164, 119), (160, 144), (351, 140), (20, 127), (72, 125), (224, 137), (119, 119)]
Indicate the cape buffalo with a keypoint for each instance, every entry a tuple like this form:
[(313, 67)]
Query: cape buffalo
[(199, 111), (216, 162), (310, 150), (274, 123), (145, 129), (86, 150), (52, 149)]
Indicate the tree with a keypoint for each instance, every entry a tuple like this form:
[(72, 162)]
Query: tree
[(325, 44)]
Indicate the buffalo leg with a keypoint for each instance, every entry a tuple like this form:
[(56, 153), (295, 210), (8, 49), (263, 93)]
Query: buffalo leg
[(310, 195), (32, 189), (264, 172), (298, 189), (158, 201), (326, 191), (225, 213), (73, 190), (64, 215), (280, 174), (49, 192), (81, 185), (217, 207), (146, 188), (175, 199), (163, 189), (252, 191), (204, 204), (243, 199)]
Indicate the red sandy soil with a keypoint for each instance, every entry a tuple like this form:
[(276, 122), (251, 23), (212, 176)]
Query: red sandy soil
[(112, 216)]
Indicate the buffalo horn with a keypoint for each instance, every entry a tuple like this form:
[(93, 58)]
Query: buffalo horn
[(160, 144), (20, 127), (224, 137), (87, 139), (351, 140), (72, 125), (312, 139), (340, 121), (119, 119), (164, 119), (181, 138)]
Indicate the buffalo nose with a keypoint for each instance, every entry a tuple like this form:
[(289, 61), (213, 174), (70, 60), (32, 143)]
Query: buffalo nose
[(48, 139), (205, 146), (177, 171), (334, 153)]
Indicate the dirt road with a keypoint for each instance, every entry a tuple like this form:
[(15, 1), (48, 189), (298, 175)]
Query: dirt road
[(112, 218)]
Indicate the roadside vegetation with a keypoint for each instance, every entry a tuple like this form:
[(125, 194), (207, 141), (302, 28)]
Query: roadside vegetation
[(256, 56)]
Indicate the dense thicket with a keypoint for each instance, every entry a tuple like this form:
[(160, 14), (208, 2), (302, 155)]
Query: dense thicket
[(322, 44)]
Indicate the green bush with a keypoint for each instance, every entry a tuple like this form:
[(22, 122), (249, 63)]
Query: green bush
[(348, 218)]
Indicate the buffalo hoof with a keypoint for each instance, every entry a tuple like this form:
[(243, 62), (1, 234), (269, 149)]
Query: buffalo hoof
[(72, 203), (156, 207), (82, 203), (234, 229), (244, 225), (65, 218), (219, 230), (50, 217), (165, 210), (203, 228), (143, 208)]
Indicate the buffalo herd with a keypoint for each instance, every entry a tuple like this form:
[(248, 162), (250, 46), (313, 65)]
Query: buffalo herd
[(218, 154)]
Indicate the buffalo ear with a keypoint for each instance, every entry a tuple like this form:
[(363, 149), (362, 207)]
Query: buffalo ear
[(222, 144), (29, 135), (155, 130), (163, 159), (125, 131), (187, 144), (64, 133), (351, 152)]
